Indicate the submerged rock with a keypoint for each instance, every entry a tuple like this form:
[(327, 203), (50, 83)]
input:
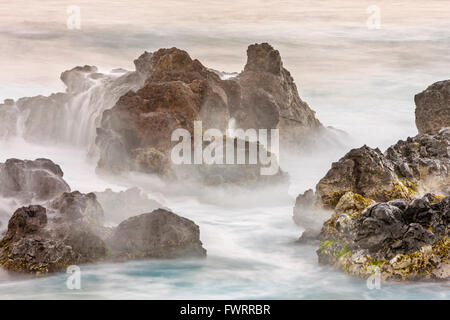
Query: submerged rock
[(28, 181), (407, 241), (433, 107), (159, 234)]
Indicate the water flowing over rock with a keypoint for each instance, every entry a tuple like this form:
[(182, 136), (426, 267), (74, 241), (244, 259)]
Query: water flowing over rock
[(28, 181), (433, 107), (73, 116), (406, 241), (159, 234), (136, 133)]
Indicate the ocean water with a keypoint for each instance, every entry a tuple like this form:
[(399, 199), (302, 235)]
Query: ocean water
[(358, 80)]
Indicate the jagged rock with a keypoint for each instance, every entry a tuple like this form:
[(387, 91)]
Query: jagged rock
[(406, 241), (433, 107), (419, 163), (159, 234), (136, 133), (38, 241), (270, 98), (28, 181), (424, 160), (124, 204)]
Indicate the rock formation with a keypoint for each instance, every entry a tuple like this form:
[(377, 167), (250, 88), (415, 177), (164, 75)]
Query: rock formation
[(68, 228), (378, 219), (406, 241), (136, 132), (70, 231), (421, 163), (433, 107)]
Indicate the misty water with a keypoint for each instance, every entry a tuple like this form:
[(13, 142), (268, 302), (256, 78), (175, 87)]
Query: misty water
[(358, 80)]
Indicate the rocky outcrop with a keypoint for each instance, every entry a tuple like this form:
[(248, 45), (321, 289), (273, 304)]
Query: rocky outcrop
[(136, 133), (28, 181), (69, 230), (404, 240), (41, 240), (421, 163), (68, 227), (433, 107), (159, 234), (269, 98)]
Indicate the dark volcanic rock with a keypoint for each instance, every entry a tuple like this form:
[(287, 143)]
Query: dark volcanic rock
[(419, 163), (385, 234), (28, 181), (433, 107), (159, 234)]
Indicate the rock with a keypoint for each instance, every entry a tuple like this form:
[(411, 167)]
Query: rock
[(37, 243), (419, 163), (307, 213), (28, 181), (433, 107), (125, 204), (136, 133), (427, 159), (159, 234), (408, 242), (364, 171), (270, 98)]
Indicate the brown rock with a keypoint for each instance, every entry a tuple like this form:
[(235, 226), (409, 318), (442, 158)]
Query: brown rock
[(433, 107)]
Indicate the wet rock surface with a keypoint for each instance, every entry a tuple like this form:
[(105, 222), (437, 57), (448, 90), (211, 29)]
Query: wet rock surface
[(159, 234), (420, 163), (68, 228), (382, 235), (136, 133), (433, 107)]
